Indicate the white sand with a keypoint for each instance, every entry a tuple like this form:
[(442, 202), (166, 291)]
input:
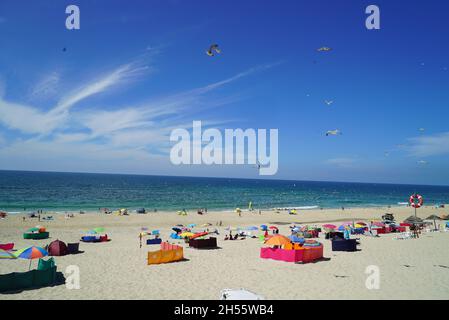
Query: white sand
[(118, 269)]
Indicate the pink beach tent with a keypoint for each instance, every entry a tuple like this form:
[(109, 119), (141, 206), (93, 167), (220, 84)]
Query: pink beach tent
[(7, 246)]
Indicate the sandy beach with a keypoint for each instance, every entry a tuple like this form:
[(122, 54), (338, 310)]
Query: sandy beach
[(118, 269)]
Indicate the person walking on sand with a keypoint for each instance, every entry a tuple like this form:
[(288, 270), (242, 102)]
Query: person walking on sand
[(140, 239)]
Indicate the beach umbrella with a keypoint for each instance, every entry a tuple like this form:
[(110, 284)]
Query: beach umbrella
[(329, 226), (253, 228), (98, 230), (6, 255), (274, 228), (296, 239), (362, 223), (176, 229), (414, 220), (296, 229), (187, 234), (358, 225), (434, 218), (343, 227), (278, 240), (31, 253), (198, 235), (263, 227)]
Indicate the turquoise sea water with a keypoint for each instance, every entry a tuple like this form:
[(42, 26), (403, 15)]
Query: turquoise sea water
[(76, 191)]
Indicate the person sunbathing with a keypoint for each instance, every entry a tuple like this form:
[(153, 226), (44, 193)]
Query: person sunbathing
[(226, 237)]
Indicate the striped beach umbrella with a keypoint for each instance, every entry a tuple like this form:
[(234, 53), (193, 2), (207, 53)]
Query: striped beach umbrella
[(6, 255), (198, 235), (31, 253), (344, 227), (186, 234)]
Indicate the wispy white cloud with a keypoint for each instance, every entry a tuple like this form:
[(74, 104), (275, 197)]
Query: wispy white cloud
[(46, 87), (237, 77), (31, 120), (27, 119), (119, 134), (342, 162), (426, 146), (118, 76)]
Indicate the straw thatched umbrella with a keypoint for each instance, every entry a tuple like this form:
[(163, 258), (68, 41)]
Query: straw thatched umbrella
[(414, 220), (434, 218)]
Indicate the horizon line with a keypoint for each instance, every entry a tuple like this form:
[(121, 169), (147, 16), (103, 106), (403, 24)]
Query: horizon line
[(232, 178)]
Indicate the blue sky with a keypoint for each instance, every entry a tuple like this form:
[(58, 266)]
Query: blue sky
[(134, 72)]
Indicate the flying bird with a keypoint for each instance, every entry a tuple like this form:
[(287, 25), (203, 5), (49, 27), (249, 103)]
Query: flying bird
[(423, 162), (325, 49), (328, 102), (64, 49), (333, 133), (213, 48)]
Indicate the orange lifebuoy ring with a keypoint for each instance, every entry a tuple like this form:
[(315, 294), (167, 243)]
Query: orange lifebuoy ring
[(416, 201)]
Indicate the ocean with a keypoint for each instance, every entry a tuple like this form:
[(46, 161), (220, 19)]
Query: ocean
[(60, 192)]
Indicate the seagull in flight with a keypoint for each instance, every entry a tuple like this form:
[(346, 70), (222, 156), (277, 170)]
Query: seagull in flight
[(213, 48), (325, 49), (333, 133), (328, 102)]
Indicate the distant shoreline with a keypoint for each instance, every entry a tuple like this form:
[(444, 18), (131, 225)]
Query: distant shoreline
[(212, 210)]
